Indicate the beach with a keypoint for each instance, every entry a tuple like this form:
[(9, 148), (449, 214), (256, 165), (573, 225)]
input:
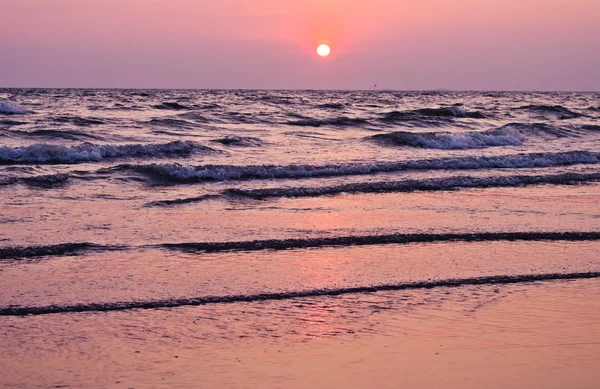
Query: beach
[(533, 334), (292, 239)]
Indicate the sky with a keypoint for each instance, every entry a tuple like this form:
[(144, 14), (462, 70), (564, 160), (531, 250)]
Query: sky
[(271, 44)]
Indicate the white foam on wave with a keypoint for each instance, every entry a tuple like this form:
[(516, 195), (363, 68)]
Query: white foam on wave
[(470, 140), (89, 152), (180, 173), (9, 107), (512, 134), (453, 141)]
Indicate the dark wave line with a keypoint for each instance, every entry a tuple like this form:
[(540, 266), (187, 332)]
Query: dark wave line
[(20, 252), (197, 301), (43, 181), (434, 184), (559, 110), (367, 240), (188, 200)]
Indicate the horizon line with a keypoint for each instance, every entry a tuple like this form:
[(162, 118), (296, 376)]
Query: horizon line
[(438, 90)]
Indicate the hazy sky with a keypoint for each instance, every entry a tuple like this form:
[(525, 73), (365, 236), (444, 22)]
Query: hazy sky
[(397, 44)]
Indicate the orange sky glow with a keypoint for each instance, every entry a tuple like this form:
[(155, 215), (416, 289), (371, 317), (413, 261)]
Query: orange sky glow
[(411, 44)]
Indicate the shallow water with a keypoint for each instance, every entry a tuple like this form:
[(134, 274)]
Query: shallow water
[(158, 203)]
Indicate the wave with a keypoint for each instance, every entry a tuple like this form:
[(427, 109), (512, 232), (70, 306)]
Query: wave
[(23, 252), (20, 252), (183, 174), (172, 106), (43, 181), (425, 115), (342, 121), (188, 200), (591, 127), (115, 107), (47, 181), (171, 123), (370, 240), (69, 135), (8, 180), (557, 110), (78, 121), (331, 106), (245, 141), (194, 117), (229, 299), (434, 184), (512, 134), (10, 122), (536, 129), (451, 141), (10, 108), (452, 111), (88, 152)]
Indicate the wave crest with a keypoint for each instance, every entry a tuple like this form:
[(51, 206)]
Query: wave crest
[(556, 110), (10, 108), (245, 141), (451, 141), (172, 106), (183, 174), (342, 121), (88, 152)]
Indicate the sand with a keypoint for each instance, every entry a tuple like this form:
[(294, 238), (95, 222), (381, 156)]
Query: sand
[(542, 334)]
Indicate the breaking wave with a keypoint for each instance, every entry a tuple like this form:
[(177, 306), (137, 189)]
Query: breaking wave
[(10, 108), (183, 174), (451, 141), (86, 152), (512, 134)]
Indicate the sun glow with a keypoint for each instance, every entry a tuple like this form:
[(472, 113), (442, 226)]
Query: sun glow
[(323, 50)]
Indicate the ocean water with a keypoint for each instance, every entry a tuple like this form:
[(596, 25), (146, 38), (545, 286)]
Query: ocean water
[(158, 220), (218, 196)]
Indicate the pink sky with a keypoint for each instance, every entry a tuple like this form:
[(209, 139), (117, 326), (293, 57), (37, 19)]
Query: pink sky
[(410, 44)]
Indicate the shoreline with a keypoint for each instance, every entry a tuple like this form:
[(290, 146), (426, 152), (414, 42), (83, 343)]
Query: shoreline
[(527, 335)]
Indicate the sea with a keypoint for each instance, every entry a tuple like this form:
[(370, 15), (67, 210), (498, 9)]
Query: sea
[(282, 216)]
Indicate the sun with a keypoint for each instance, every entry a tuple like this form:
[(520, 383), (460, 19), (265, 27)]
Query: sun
[(323, 50)]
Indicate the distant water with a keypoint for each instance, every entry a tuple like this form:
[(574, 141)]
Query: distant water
[(178, 173)]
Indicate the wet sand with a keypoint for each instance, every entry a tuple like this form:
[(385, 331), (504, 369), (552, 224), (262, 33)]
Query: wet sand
[(540, 334)]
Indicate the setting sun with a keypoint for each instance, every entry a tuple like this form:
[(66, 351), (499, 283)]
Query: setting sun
[(323, 50)]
